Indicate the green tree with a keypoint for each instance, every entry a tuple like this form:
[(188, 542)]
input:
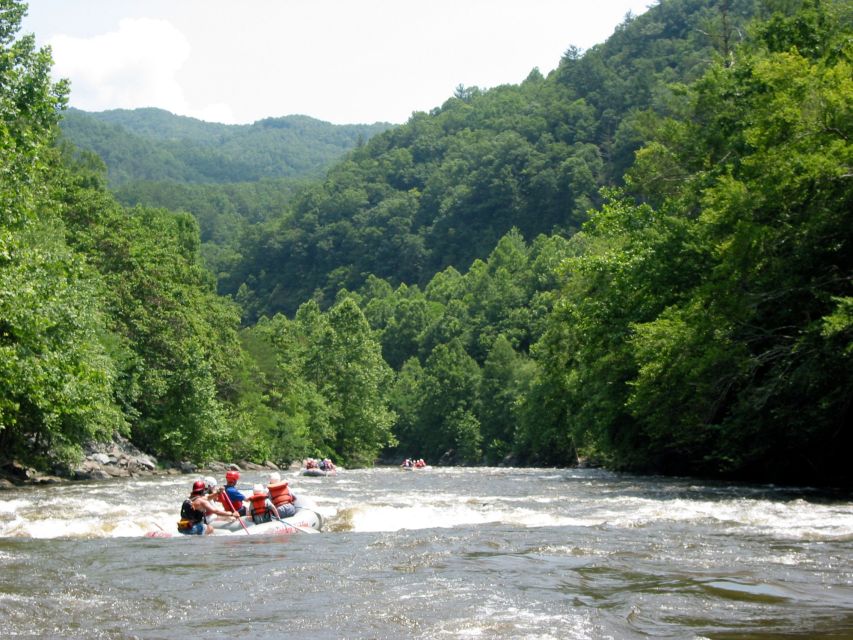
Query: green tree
[(448, 425), (355, 381), (504, 382), (692, 336), (406, 400), (766, 379), (291, 416), (56, 376)]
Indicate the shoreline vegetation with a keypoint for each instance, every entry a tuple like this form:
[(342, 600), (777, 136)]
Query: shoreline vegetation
[(119, 458)]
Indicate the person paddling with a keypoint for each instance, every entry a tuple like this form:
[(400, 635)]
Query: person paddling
[(195, 511), (231, 497)]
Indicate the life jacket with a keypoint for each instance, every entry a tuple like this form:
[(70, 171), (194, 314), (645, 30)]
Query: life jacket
[(190, 516), (279, 493), (260, 508), (228, 502)]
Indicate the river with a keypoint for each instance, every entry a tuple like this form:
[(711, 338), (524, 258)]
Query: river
[(442, 553)]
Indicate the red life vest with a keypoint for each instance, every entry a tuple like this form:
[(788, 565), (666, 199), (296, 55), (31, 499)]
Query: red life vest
[(228, 502), (279, 493)]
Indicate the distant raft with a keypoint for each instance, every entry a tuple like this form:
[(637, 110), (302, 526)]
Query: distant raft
[(410, 464), (317, 473), (315, 468)]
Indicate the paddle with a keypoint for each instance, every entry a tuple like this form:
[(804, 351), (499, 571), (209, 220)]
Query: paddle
[(298, 527), (231, 505)]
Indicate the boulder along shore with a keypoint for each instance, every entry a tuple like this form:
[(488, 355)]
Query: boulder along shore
[(118, 458)]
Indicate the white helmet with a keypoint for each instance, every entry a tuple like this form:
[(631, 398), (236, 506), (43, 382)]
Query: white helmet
[(210, 483), (275, 476), (258, 489)]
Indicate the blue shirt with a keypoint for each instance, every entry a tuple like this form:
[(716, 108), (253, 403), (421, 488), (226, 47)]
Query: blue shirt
[(234, 494)]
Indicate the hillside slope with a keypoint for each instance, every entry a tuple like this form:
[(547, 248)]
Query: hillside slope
[(152, 144), (442, 189)]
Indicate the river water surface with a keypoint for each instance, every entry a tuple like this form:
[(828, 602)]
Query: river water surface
[(441, 553)]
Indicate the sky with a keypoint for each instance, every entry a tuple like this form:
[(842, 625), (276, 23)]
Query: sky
[(341, 61)]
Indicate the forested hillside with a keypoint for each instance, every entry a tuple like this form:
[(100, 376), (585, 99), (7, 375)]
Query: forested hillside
[(644, 258), (226, 176), (152, 144), (443, 189)]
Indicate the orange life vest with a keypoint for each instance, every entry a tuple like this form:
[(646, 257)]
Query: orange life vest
[(279, 493), (260, 511), (258, 502)]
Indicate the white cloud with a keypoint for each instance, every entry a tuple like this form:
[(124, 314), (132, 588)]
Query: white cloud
[(217, 112), (335, 60), (126, 68)]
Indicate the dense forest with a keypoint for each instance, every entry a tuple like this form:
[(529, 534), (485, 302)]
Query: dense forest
[(643, 258), (155, 145), (227, 176)]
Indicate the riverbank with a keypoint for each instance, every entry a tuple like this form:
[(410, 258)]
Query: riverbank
[(118, 458)]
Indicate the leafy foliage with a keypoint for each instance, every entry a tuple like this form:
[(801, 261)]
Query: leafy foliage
[(443, 189), (696, 335), (55, 377), (683, 304), (155, 145)]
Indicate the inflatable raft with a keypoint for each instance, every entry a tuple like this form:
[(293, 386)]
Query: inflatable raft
[(306, 520), (318, 473)]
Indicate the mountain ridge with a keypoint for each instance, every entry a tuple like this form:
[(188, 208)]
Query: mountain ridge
[(155, 144)]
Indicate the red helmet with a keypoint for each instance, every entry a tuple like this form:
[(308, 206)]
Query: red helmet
[(232, 476), (198, 486)]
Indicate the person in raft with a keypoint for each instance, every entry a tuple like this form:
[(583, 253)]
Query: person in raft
[(260, 506), (195, 511), (281, 496), (230, 496), (210, 487), (272, 502)]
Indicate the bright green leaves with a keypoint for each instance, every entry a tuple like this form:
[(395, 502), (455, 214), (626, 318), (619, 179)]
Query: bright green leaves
[(458, 349), (839, 323), (56, 377), (326, 385), (448, 418), (355, 381)]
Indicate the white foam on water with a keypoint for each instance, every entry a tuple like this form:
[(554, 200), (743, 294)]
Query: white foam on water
[(135, 507), (60, 528), (388, 518), (497, 618), (11, 507), (793, 520), (366, 518)]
